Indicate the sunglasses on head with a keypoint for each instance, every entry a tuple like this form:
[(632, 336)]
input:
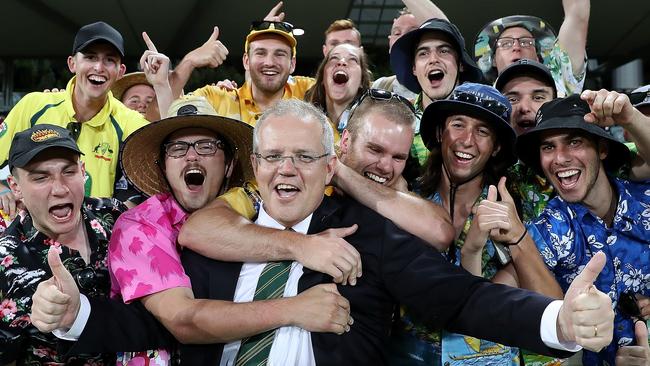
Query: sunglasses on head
[(491, 105), (380, 94), (265, 24)]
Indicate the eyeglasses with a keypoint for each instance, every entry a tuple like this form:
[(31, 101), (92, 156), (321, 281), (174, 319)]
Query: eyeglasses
[(380, 94), (178, 149), (627, 306), (264, 24), (300, 161), (75, 129), (506, 43), (491, 105)]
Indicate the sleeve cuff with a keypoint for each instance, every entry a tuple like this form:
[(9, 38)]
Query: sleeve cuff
[(548, 329), (79, 323)]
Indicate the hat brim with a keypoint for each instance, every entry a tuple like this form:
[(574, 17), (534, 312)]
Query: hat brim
[(288, 36), (25, 158), (141, 150), (127, 81), (402, 56), (527, 144), (517, 70), (544, 35), (82, 46), (438, 111)]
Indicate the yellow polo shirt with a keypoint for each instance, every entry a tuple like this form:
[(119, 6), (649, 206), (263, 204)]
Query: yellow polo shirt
[(239, 104), (99, 139)]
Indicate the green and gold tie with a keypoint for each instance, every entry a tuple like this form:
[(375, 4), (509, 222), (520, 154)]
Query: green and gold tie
[(255, 350)]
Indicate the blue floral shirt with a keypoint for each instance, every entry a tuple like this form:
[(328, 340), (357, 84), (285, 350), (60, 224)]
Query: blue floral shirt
[(568, 234)]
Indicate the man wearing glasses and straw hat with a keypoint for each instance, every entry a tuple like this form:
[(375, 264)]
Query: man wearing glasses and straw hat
[(182, 163)]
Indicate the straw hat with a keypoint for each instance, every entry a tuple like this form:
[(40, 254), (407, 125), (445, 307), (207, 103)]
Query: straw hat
[(125, 82), (141, 151)]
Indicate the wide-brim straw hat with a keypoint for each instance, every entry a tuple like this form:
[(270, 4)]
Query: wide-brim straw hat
[(125, 82), (141, 153)]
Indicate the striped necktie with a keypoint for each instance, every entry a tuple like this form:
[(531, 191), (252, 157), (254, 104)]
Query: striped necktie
[(255, 350)]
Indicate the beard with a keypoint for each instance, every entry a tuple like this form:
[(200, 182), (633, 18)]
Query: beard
[(268, 86)]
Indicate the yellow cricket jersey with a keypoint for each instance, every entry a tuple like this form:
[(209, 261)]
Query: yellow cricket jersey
[(99, 139)]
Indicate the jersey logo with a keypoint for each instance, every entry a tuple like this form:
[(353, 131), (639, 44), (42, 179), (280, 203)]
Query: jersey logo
[(103, 151)]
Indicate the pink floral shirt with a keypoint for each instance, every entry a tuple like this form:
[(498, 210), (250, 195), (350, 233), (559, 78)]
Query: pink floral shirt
[(143, 253)]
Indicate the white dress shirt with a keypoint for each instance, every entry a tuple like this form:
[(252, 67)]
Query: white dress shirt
[(291, 345)]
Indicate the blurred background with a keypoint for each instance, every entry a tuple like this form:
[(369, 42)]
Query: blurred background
[(37, 35)]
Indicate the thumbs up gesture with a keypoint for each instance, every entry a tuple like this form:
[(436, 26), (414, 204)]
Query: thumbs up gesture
[(586, 316), (55, 303), (638, 355), (210, 54)]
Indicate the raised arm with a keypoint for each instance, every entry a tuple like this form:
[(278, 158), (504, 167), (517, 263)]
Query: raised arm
[(414, 214), (573, 32), (156, 68), (210, 54), (240, 240), (424, 10), (504, 226), (612, 108)]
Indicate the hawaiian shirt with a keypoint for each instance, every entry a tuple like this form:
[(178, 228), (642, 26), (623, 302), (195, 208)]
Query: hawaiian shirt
[(559, 64), (23, 265), (568, 234), (529, 189), (417, 344)]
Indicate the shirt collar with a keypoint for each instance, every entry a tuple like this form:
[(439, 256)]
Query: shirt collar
[(101, 117), (245, 92), (176, 212), (264, 219), (630, 213)]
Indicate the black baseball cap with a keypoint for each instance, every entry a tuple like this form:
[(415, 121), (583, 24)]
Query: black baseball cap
[(567, 114), (525, 67), (29, 143), (98, 31), (402, 54)]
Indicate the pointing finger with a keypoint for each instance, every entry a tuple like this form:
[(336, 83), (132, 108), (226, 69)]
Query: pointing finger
[(148, 42)]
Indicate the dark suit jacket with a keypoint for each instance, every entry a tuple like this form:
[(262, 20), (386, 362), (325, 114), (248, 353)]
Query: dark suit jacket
[(397, 268)]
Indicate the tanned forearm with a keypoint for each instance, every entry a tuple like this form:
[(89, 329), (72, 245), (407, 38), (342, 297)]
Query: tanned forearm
[(179, 77), (416, 215), (203, 321), (573, 32), (240, 240), (532, 273), (424, 10)]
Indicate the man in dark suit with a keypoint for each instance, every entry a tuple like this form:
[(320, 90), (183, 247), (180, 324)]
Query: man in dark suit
[(293, 160)]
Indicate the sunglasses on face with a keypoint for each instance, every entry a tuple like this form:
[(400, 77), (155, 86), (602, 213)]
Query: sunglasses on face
[(264, 24), (491, 105), (380, 94)]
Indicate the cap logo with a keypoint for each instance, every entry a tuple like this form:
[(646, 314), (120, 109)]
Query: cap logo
[(44, 135), (187, 110)]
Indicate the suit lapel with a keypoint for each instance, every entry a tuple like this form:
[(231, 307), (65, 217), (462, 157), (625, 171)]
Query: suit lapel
[(324, 217)]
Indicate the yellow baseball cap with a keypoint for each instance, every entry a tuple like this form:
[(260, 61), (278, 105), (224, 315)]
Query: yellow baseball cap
[(283, 29)]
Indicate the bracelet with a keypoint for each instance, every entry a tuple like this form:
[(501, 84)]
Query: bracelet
[(520, 238), (5, 191)]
